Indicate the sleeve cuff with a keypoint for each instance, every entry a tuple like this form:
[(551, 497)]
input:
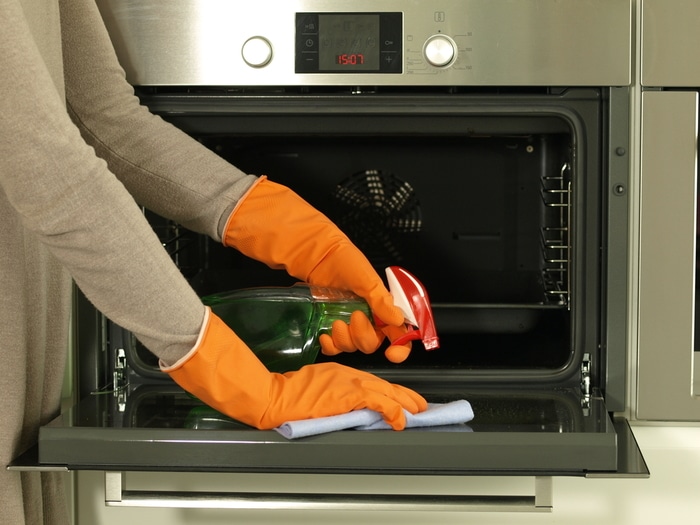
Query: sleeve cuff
[(224, 234), (180, 362)]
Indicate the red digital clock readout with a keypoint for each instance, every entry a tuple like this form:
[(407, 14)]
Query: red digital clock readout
[(350, 59)]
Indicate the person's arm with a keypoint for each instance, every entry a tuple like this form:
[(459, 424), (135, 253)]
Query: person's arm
[(164, 169), (67, 196), (180, 179)]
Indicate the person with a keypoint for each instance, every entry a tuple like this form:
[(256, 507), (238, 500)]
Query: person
[(78, 157)]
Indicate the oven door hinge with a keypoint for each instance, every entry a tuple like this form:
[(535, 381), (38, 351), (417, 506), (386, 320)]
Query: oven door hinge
[(586, 381), (120, 380)]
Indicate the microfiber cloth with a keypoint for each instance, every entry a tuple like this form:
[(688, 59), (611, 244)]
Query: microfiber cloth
[(437, 414)]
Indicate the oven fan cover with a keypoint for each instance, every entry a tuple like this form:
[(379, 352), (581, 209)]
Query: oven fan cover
[(379, 212)]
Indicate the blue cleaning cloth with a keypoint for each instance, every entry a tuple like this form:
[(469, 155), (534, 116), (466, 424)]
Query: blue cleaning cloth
[(437, 414)]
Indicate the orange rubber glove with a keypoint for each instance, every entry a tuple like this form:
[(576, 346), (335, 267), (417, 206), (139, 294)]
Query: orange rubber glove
[(272, 224), (360, 334), (224, 373)]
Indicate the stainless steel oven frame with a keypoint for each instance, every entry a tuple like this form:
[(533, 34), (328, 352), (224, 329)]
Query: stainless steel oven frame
[(503, 73)]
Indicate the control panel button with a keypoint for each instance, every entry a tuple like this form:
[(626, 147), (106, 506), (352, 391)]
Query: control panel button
[(440, 50), (257, 51)]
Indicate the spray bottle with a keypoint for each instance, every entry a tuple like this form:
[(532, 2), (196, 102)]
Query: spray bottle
[(282, 325)]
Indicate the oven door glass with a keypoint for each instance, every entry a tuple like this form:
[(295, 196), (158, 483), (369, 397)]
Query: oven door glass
[(163, 428)]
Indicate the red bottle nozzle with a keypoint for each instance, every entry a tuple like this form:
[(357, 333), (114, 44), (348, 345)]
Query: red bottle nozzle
[(412, 298)]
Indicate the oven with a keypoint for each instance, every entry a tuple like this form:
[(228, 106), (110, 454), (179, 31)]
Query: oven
[(482, 145)]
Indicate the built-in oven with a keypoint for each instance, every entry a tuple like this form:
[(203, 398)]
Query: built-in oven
[(482, 145)]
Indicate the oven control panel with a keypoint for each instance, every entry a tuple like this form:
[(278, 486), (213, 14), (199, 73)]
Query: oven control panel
[(372, 42), (348, 43)]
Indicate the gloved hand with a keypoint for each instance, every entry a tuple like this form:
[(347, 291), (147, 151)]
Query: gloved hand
[(225, 374), (272, 224), (361, 334)]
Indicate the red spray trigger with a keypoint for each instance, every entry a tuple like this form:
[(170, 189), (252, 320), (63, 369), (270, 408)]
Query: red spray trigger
[(412, 299)]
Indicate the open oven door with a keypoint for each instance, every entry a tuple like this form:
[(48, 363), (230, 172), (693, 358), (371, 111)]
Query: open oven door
[(162, 429)]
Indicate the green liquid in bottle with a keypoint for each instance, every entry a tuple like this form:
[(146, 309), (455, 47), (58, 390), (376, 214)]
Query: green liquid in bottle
[(282, 325)]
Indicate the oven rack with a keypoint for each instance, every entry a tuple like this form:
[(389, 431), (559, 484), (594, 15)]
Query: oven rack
[(555, 236)]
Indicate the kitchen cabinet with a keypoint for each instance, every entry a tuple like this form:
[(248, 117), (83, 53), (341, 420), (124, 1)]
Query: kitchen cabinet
[(668, 364)]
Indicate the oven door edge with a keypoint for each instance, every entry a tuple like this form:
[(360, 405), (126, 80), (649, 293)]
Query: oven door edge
[(630, 461), (631, 464), (601, 446)]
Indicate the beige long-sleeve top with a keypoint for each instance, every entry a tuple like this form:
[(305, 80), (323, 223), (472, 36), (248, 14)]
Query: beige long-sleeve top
[(78, 155), (61, 191)]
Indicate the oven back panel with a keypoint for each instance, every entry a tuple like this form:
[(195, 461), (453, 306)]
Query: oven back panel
[(463, 213)]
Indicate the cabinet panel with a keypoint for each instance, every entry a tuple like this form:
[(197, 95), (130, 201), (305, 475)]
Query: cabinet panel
[(670, 41), (667, 263)]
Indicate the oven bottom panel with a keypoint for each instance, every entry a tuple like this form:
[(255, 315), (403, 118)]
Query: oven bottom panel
[(162, 428)]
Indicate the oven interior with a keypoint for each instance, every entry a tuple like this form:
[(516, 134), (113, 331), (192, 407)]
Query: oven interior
[(488, 206)]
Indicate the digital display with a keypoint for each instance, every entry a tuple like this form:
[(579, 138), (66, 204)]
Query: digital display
[(352, 43), (348, 42)]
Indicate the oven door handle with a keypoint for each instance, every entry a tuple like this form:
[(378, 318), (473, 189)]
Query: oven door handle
[(116, 495)]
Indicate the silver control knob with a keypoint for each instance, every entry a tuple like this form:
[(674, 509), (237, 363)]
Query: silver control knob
[(257, 51), (440, 50)]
